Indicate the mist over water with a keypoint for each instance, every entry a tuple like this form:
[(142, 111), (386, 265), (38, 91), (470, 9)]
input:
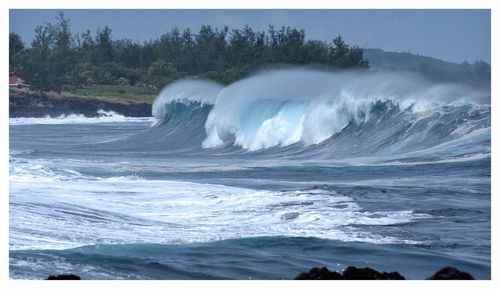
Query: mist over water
[(279, 108)]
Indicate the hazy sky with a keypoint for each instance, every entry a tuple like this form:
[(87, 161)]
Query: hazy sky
[(452, 35)]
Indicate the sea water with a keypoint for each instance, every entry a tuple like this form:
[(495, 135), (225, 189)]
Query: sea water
[(261, 179)]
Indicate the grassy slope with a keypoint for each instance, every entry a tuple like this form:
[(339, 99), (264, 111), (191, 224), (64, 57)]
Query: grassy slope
[(114, 93)]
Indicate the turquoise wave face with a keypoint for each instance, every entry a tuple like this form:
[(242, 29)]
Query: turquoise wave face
[(263, 179), (341, 114)]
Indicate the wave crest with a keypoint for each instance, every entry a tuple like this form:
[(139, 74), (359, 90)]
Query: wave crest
[(280, 108), (185, 91)]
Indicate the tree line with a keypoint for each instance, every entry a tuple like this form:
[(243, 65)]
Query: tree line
[(57, 57)]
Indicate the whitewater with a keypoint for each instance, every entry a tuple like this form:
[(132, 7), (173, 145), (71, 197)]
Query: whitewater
[(260, 179)]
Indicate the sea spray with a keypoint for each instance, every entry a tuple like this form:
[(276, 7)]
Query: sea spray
[(282, 107), (319, 115), (407, 179), (185, 90)]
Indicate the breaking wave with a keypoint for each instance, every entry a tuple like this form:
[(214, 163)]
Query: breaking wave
[(311, 112)]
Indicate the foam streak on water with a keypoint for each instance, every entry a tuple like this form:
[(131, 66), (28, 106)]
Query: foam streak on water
[(67, 209), (104, 117), (289, 168)]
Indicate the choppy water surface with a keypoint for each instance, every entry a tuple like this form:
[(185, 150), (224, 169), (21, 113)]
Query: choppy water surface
[(262, 179)]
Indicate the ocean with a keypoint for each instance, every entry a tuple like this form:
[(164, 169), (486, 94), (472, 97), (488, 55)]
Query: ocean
[(262, 179)]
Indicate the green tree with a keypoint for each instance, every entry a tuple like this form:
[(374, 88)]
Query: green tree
[(86, 47), (187, 61), (245, 48), (161, 72), (161, 67), (16, 46), (62, 57), (103, 49), (50, 61), (170, 46), (128, 53), (58, 58), (241, 47), (315, 52), (210, 48), (37, 67), (342, 56)]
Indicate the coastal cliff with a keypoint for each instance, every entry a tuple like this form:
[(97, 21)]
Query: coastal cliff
[(30, 104)]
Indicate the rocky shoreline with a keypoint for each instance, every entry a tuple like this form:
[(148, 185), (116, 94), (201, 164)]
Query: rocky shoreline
[(36, 105), (350, 273), (353, 273)]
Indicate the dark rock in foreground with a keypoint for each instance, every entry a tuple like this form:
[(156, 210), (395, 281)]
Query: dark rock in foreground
[(64, 277), (350, 273), (450, 273), (353, 273), (319, 274)]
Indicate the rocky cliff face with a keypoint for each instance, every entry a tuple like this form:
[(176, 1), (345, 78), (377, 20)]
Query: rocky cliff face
[(41, 106)]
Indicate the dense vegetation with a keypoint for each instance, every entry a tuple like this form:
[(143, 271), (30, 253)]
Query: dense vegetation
[(59, 59)]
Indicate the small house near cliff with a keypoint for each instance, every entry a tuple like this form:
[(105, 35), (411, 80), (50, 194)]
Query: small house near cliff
[(15, 80)]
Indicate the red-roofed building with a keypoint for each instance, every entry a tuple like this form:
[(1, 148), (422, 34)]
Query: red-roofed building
[(15, 80)]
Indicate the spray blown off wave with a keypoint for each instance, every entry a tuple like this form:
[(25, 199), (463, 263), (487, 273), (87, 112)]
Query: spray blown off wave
[(370, 167), (340, 114)]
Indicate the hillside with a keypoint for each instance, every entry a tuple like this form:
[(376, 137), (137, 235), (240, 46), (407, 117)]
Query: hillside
[(477, 74)]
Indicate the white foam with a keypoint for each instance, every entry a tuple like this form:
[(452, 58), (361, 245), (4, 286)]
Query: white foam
[(283, 107), (51, 212), (104, 117)]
